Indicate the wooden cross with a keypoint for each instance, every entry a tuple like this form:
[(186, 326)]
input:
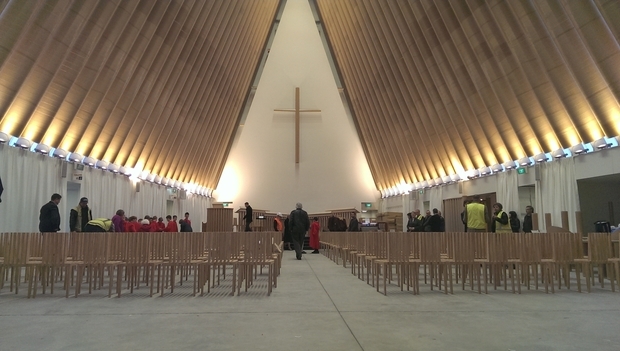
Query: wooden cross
[(297, 111)]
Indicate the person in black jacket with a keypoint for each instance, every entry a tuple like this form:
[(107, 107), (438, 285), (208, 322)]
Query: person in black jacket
[(49, 216), (248, 217), (515, 223), (354, 225), (300, 223), (527, 220)]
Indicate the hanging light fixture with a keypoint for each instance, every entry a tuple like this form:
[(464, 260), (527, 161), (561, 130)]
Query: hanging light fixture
[(42, 149), (75, 157), (485, 171), (525, 161), (578, 149), (23, 143), (89, 161), (4, 138), (509, 165), (541, 157)]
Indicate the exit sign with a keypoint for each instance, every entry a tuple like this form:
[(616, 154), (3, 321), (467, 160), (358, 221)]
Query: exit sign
[(368, 204), (522, 170)]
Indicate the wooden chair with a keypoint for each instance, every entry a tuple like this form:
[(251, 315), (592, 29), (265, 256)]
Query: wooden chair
[(397, 255), (600, 255), (53, 258), (256, 253)]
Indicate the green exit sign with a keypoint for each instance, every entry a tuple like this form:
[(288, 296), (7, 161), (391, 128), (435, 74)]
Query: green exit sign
[(368, 204), (522, 170)]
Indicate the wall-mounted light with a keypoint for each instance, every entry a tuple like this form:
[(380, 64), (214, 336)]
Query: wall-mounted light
[(23, 143), (4, 138), (509, 165), (525, 161), (542, 157), (496, 168), (157, 180), (559, 153), (438, 181), (114, 168), (604, 143), (126, 171), (89, 161), (178, 184), (42, 149), (455, 177), (74, 157), (165, 181), (60, 153), (101, 164), (447, 180), (578, 149), (485, 171)]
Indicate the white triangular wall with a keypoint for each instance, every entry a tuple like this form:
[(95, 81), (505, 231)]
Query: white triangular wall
[(333, 171)]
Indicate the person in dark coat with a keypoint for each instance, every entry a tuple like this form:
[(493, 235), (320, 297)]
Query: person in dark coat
[(300, 223), (288, 235), (354, 225), (185, 226), (433, 223), (248, 217), (527, 220), (515, 223), (49, 216)]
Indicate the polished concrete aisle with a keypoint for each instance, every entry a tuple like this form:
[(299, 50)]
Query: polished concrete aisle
[(318, 305)]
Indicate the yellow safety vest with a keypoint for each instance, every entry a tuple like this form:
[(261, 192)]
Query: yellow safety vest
[(475, 216), (502, 228), (104, 223)]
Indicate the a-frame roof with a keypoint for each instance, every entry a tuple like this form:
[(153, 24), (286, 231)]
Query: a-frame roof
[(435, 87)]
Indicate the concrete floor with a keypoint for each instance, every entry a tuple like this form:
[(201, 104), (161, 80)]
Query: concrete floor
[(318, 305)]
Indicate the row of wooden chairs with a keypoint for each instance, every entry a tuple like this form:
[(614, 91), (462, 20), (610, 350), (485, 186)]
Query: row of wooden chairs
[(121, 261), (475, 259)]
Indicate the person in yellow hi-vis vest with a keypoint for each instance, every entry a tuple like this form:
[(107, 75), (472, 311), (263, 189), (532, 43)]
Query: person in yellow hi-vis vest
[(99, 225), (500, 220), (476, 216)]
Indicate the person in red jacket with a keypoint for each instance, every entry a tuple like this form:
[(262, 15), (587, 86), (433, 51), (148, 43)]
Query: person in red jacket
[(314, 235), (145, 226), (161, 226), (172, 225), (154, 226), (132, 224)]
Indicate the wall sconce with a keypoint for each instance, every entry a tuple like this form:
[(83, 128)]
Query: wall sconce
[(157, 180), (178, 184), (150, 177), (525, 161), (74, 157), (42, 149), (23, 143), (447, 180), (474, 173), (496, 168), (4, 138), (485, 171), (424, 184), (578, 149), (89, 161), (165, 181), (541, 157), (455, 177), (126, 171), (113, 167), (559, 153), (438, 181), (60, 153), (604, 143), (509, 165), (101, 164)]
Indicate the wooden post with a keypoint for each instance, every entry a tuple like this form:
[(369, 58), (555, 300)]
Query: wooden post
[(548, 223), (565, 220), (535, 225), (579, 221)]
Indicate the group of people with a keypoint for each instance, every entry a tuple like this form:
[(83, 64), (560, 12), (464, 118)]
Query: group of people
[(475, 218), (434, 222), (81, 220), (339, 224), (294, 229)]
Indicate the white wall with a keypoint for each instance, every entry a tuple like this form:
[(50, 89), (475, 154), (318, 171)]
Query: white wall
[(261, 169)]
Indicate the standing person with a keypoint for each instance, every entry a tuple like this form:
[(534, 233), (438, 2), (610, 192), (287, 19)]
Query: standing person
[(187, 220), (410, 223), (278, 225), (476, 215), (500, 222), (288, 235), (132, 224), (99, 225), (49, 216), (418, 221), (80, 215), (515, 223), (161, 226), (527, 220), (465, 202), (145, 226), (433, 222), (354, 225), (442, 223), (171, 226), (248, 217), (315, 227), (300, 223), (117, 220), (184, 226)]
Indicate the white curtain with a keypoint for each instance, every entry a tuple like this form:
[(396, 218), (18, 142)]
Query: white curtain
[(436, 198), (29, 181), (508, 191), (557, 192)]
